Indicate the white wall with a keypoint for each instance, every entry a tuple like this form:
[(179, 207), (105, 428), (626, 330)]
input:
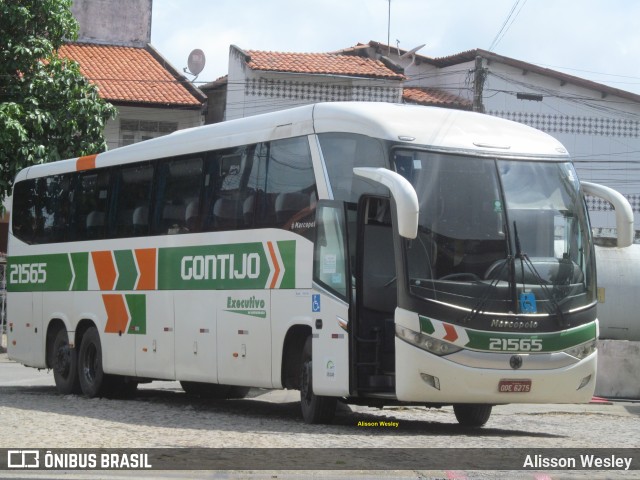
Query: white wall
[(254, 92), (602, 134), (184, 118)]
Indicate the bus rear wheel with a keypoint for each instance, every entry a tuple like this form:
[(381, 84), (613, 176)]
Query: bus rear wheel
[(92, 377), (315, 408), (472, 415), (64, 362)]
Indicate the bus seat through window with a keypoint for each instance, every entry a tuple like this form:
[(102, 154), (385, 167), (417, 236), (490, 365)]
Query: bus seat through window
[(192, 216), (95, 224), (290, 203), (226, 213), (141, 220), (173, 217)]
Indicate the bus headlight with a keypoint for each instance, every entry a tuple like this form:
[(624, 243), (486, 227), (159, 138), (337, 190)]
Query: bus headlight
[(425, 342), (583, 350)]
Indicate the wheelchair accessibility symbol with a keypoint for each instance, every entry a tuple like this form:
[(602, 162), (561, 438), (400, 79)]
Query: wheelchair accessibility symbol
[(315, 303)]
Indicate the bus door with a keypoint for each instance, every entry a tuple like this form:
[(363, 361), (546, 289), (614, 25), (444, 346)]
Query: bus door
[(330, 301), (373, 339)]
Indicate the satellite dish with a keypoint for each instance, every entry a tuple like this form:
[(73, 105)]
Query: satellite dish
[(412, 53), (195, 62)]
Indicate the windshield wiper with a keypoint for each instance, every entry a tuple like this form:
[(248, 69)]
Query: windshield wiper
[(494, 278), (525, 260)]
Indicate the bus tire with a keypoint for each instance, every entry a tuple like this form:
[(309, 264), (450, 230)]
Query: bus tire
[(92, 378), (64, 362), (315, 408), (472, 415)]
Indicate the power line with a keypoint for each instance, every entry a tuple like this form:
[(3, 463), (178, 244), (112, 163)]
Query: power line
[(506, 24)]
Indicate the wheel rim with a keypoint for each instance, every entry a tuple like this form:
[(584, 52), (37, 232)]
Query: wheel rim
[(90, 364)]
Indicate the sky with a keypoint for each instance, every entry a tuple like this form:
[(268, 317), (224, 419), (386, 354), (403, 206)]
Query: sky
[(594, 39)]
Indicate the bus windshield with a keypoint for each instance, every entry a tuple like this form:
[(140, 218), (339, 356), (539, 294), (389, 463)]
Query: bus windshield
[(498, 236)]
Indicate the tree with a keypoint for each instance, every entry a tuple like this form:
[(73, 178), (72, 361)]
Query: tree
[(48, 110)]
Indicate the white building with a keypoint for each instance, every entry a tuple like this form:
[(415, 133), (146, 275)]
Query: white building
[(261, 82), (599, 125)]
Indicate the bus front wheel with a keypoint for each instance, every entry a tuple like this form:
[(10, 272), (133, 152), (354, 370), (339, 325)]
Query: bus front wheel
[(472, 415), (315, 408), (64, 362), (92, 377)]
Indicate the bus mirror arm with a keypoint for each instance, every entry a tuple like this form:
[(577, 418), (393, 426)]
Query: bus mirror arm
[(622, 208), (403, 193)]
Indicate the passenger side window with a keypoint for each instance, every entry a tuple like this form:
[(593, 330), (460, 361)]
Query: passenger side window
[(290, 186), (227, 184), (52, 209), (179, 191), (131, 213), (23, 215), (91, 205)]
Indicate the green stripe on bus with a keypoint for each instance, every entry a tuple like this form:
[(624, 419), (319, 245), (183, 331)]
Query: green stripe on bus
[(288, 254), (137, 304), (239, 266), (491, 341), (39, 273), (550, 342), (426, 326), (80, 263), (127, 271)]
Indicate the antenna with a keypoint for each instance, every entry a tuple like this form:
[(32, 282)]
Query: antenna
[(389, 30), (412, 53), (195, 63)]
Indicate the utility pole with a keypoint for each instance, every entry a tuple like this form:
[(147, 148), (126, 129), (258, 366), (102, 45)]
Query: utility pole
[(479, 76)]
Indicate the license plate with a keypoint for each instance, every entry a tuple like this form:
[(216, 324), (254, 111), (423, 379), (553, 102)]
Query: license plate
[(514, 386)]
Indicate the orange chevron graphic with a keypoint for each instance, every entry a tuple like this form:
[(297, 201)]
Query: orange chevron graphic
[(117, 314), (451, 335), (105, 269), (276, 266), (146, 258)]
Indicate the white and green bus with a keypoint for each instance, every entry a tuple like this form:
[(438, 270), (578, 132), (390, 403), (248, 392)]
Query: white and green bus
[(371, 253)]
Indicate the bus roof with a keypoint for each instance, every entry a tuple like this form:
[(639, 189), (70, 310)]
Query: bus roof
[(432, 127)]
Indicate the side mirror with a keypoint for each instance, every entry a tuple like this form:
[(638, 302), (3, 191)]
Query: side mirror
[(403, 193), (623, 210)]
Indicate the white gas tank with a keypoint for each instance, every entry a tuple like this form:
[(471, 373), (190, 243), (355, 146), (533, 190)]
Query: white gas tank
[(619, 292)]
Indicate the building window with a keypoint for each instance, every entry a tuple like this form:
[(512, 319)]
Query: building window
[(134, 131)]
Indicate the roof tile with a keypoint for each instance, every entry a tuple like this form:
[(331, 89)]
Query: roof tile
[(320, 64), (434, 97), (128, 74)]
